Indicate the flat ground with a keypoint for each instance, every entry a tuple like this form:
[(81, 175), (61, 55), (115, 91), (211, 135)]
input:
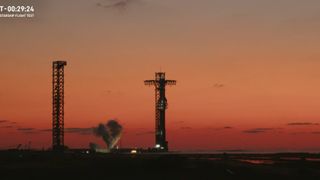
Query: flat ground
[(46, 165)]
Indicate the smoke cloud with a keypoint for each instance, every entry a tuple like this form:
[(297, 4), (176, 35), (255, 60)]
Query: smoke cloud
[(110, 132)]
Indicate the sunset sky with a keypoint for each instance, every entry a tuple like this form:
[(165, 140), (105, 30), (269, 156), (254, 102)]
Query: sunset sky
[(248, 72)]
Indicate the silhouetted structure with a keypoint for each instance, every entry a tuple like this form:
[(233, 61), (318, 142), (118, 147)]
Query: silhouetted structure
[(160, 83), (58, 105)]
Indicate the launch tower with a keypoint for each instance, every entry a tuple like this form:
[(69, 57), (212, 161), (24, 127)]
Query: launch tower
[(160, 84)]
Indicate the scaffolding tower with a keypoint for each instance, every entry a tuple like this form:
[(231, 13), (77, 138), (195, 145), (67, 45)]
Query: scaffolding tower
[(58, 105)]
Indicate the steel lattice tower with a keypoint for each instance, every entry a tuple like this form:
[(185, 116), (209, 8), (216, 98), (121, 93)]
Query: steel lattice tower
[(160, 84), (58, 105)]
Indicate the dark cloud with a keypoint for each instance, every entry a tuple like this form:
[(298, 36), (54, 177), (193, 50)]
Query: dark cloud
[(186, 128), (7, 127), (116, 4), (221, 128), (232, 150), (28, 130), (218, 85), (25, 129), (144, 133), (258, 130), (82, 131), (7, 122), (31, 132), (302, 124), (298, 133), (113, 92), (178, 122), (45, 130), (75, 130)]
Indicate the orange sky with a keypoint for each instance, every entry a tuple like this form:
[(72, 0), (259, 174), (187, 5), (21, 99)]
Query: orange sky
[(264, 54)]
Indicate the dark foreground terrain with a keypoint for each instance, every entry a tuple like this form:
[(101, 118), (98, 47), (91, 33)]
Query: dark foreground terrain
[(73, 166)]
